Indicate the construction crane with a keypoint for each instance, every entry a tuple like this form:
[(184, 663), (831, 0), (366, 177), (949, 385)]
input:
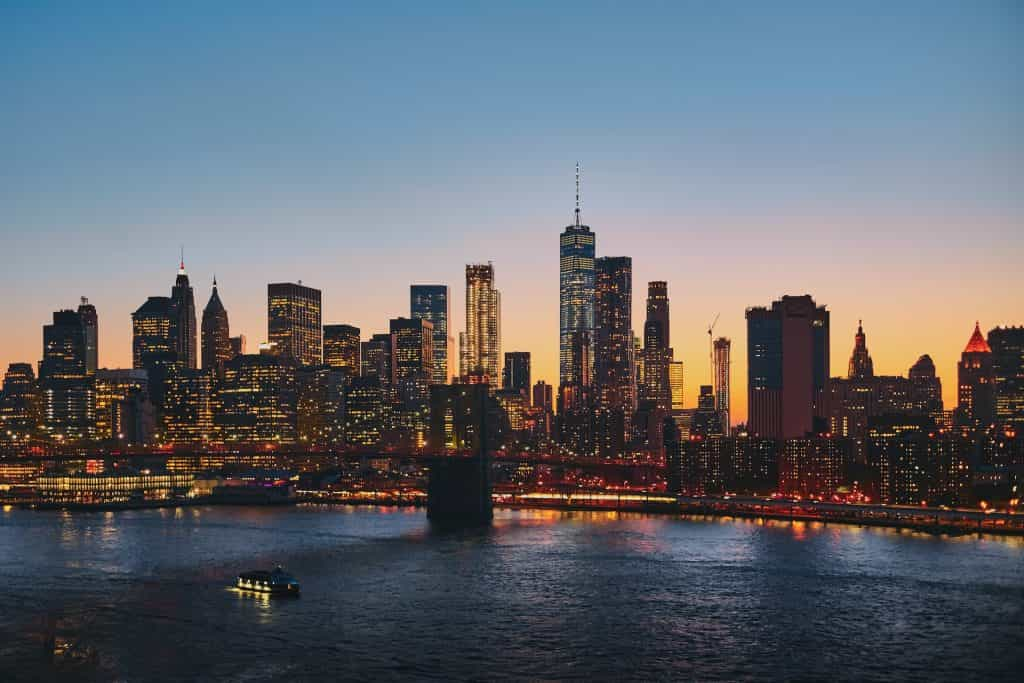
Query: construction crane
[(711, 348)]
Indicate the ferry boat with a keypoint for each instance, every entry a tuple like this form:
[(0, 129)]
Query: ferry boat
[(277, 582)]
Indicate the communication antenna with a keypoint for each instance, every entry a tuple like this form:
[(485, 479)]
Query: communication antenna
[(577, 193)]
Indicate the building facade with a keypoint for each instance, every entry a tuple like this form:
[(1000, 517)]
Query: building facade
[(788, 368), (576, 280), (481, 348), (216, 335), (341, 347), (431, 302), (294, 322), (976, 378)]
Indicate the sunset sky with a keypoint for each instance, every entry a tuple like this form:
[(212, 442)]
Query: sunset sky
[(869, 154)]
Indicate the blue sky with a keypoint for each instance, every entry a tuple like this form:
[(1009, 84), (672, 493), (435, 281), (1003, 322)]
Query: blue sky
[(869, 153)]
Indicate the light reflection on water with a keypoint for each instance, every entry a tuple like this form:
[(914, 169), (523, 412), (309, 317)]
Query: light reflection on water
[(540, 594)]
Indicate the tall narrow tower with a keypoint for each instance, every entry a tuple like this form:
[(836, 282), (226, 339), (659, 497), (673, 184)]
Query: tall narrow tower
[(576, 291), (216, 337), (481, 346), (91, 324), (722, 351), (183, 319)]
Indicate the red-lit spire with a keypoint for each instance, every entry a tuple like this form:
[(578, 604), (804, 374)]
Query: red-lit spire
[(977, 343)]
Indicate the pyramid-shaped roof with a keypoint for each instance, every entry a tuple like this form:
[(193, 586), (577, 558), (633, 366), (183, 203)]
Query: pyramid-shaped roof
[(977, 344)]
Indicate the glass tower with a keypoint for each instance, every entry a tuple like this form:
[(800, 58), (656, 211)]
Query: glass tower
[(431, 302), (576, 290)]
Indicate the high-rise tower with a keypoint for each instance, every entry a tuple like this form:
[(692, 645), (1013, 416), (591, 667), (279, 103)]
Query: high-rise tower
[(90, 321), (976, 382), (613, 335), (294, 322), (482, 341), (722, 350), (576, 291), (431, 302), (216, 337), (657, 352), (788, 367), (341, 347), (183, 320), (1008, 364), (861, 366)]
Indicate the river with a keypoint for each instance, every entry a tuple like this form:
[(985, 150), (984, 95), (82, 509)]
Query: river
[(143, 595)]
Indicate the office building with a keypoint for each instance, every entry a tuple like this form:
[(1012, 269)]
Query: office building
[(1007, 344), (151, 332), (482, 342), (256, 401), (294, 325), (183, 320), (124, 412), (675, 383), (90, 321), (614, 365), (216, 336), (543, 395), (516, 376), (657, 388), (722, 349), (187, 415), (576, 252), (237, 345), (341, 347), (68, 391), (320, 404), (20, 406), (788, 368), (366, 412), (431, 302), (976, 382)]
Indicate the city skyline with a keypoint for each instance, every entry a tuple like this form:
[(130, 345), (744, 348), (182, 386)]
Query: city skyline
[(881, 188)]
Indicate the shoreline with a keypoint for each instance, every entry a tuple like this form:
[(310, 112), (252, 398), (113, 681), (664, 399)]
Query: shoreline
[(927, 521)]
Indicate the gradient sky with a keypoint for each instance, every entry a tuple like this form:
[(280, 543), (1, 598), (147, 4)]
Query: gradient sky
[(867, 153)]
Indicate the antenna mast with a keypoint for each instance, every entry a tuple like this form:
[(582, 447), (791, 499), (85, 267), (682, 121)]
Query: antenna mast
[(577, 194)]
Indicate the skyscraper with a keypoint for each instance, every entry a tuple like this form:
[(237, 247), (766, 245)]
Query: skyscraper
[(543, 396), (68, 391), (376, 360), (183, 320), (576, 290), (412, 365), (482, 348), (657, 351), (722, 350), (257, 401), (976, 382), (1007, 345), (788, 367), (216, 337), (90, 321), (20, 414), (341, 347), (412, 342), (294, 322), (430, 302), (517, 372), (613, 344), (861, 366), (675, 382)]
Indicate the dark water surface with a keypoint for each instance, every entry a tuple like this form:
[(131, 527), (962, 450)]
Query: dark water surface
[(541, 595)]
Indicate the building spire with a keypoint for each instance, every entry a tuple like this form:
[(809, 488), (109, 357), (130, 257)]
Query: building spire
[(577, 194), (181, 264)]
